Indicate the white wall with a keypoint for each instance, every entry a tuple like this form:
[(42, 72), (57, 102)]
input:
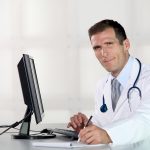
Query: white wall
[(54, 33)]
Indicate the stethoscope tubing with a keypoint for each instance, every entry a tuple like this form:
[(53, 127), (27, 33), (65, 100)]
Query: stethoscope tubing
[(135, 82), (104, 108)]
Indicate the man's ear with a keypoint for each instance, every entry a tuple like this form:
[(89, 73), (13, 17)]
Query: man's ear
[(126, 44)]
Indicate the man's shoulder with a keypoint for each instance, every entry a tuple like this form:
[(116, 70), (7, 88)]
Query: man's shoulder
[(145, 68), (145, 71)]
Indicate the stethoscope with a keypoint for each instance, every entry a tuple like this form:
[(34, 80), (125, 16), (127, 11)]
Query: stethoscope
[(104, 108)]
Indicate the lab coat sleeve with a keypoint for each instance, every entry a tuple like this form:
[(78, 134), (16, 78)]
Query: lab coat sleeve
[(129, 131), (137, 126)]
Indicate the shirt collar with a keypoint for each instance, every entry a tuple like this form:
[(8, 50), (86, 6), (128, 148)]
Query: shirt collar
[(125, 73)]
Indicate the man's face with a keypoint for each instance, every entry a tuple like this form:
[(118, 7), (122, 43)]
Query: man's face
[(111, 54)]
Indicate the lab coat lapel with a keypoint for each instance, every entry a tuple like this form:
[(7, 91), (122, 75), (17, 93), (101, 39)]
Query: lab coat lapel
[(107, 95)]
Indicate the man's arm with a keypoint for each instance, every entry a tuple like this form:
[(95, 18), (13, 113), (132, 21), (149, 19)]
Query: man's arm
[(136, 127)]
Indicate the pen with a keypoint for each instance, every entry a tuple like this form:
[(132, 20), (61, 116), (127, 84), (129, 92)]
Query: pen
[(88, 121), (86, 125)]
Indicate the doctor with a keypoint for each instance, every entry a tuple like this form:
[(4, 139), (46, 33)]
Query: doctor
[(122, 113)]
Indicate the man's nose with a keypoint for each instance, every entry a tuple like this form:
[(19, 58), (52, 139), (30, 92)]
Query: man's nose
[(104, 52)]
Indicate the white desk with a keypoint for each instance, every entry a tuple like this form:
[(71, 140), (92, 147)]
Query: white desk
[(7, 143)]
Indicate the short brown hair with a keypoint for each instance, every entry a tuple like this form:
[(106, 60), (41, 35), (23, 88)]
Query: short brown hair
[(104, 24)]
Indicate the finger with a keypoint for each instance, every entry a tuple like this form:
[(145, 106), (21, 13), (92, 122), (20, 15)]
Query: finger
[(90, 140), (75, 123), (75, 120), (94, 135), (93, 138), (82, 117), (85, 132), (87, 138), (69, 125)]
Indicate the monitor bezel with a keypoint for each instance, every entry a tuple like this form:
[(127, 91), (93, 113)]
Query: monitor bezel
[(28, 89)]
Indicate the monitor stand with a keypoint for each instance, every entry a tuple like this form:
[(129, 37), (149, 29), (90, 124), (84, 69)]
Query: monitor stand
[(25, 129)]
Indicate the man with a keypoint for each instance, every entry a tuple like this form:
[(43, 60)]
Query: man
[(122, 101)]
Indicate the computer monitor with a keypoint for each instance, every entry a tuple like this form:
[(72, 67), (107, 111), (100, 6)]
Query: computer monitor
[(32, 97)]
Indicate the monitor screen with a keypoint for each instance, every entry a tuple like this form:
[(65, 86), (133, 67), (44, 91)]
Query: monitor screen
[(31, 95), (38, 110)]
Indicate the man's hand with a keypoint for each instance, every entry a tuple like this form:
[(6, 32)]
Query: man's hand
[(94, 135), (78, 121)]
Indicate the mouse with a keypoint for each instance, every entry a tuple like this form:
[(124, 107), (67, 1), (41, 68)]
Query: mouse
[(47, 131)]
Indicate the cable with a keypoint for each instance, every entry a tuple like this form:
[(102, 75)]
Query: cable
[(16, 123), (4, 126)]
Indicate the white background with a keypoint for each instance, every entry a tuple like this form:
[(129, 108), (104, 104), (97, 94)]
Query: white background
[(54, 33)]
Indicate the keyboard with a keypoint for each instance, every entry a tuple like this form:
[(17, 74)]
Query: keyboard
[(69, 133)]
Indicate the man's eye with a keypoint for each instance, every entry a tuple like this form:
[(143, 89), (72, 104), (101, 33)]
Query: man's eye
[(109, 43), (97, 48)]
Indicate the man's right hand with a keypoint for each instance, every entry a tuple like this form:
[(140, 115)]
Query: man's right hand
[(77, 122)]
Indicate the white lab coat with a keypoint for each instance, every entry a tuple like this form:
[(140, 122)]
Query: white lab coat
[(124, 125)]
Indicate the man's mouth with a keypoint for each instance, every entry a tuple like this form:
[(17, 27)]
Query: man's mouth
[(108, 60)]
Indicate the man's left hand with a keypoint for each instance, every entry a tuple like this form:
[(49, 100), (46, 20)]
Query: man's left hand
[(94, 135)]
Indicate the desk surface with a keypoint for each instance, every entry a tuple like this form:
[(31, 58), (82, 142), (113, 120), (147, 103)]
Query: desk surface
[(7, 143)]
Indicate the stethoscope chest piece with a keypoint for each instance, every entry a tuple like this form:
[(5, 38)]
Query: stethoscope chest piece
[(103, 108)]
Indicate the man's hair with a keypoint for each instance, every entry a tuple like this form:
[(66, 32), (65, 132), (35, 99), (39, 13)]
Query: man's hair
[(105, 24)]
